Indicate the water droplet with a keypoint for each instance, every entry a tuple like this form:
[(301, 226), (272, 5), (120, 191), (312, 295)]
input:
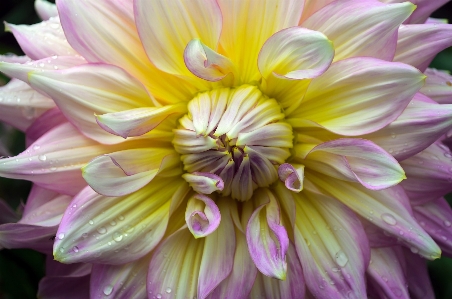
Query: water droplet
[(117, 237), (84, 235), (112, 223), (53, 169), (42, 158), (36, 147), (397, 291), (108, 290), (159, 296), (444, 238), (54, 57), (341, 258), (61, 236), (389, 219), (102, 230), (41, 64), (414, 250), (121, 217), (91, 222), (75, 249), (447, 223), (168, 290), (61, 250), (447, 155)]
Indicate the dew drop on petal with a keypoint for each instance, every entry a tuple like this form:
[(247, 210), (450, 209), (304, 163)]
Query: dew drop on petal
[(447, 223), (168, 290), (341, 258), (121, 217), (108, 290), (61, 236), (112, 223), (102, 230), (117, 237), (159, 296), (91, 222), (84, 235), (42, 158), (389, 219), (75, 249), (414, 250)]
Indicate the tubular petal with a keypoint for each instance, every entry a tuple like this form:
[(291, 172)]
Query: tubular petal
[(261, 19), (136, 122), (376, 34), (417, 45), (387, 272), (121, 173), (429, 174), (292, 176), (388, 209), (116, 230), (167, 26), (266, 237), (202, 216), (293, 287), (295, 53), (21, 105), (348, 99), (42, 40), (204, 182), (332, 247), (81, 91), (45, 9)]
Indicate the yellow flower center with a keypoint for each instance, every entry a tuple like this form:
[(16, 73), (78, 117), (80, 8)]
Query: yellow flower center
[(238, 134)]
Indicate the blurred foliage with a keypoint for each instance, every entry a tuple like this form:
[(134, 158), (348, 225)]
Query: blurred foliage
[(21, 269)]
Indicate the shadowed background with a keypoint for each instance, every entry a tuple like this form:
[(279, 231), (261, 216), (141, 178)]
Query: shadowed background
[(21, 269)]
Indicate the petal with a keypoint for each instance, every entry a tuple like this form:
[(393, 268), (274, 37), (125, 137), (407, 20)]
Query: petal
[(436, 218), (42, 40), (202, 216), (121, 173), (417, 45), (361, 28), (348, 99), (47, 121), (205, 63), (295, 53), (136, 122), (292, 176), (45, 9), (387, 272), (83, 91), (7, 214), (120, 281), (167, 26), (417, 276), (363, 162), (71, 287), (21, 105), (263, 17), (419, 125), (388, 209), (438, 86), (12, 58), (332, 247), (429, 174), (266, 237), (293, 287), (423, 10), (312, 6), (49, 213), (116, 230), (19, 235), (204, 182)]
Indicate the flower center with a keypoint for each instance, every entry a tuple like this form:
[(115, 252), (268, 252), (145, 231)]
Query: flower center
[(237, 134)]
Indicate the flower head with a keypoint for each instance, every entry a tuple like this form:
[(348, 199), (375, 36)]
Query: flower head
[(228, 149)]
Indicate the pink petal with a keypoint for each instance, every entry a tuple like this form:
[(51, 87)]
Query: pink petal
[(121, 173), (296, 53), (202, 216), (21, 105), (423, 10), (267, 238), (387, 272), (363, 162), (419, 125), (45, 9), (12, 58), (332, 100), (7, 215), (332, 247), (429, 174), (42, 40), (83, 91), (47, 121), (292, 176), (117, 230), (19, 235), (360, 28), (204, 182), (438, 86), (417, 45), (417, 276), (136, 122), (167, 26)]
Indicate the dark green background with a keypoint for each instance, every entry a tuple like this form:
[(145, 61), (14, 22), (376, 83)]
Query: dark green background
[(21, 269)]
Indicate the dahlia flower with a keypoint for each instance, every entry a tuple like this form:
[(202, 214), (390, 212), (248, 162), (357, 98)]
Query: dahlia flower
[(231, 148)]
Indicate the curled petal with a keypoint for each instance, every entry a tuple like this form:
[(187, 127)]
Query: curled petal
[(204, 182), (417, 45), (117, 230), (205, 63), (202, 216), (267, 238), (136, 122), (45, 9), (292, 176), (127, 171), (296, 53)]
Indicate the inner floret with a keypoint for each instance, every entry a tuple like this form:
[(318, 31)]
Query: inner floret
[(237, 134)]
